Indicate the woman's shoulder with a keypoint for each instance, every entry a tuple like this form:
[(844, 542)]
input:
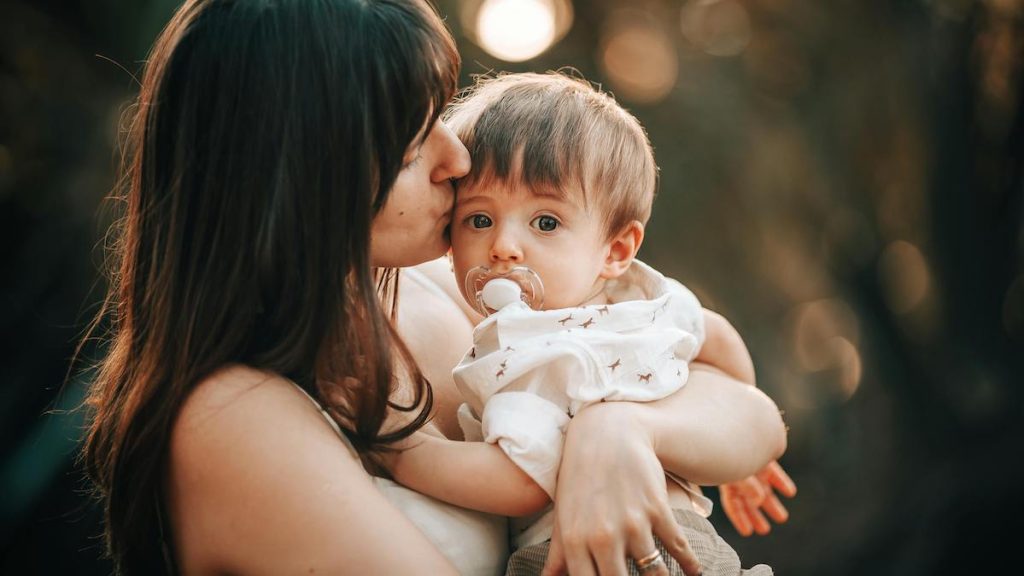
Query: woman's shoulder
[(237, 402), (240, 412), (252, 461), (230, 385)]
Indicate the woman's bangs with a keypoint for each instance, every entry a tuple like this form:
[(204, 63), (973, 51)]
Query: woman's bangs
[(439, 75), (447, 81)]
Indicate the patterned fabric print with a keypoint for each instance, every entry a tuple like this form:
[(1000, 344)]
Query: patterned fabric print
[(636, 349), (716, 557), (530, 371)]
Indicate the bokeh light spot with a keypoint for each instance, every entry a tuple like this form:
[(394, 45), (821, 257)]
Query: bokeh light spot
[(639, 60), (516, 30), (848, 362), (824, 335), (904, 275), (815, 325), (717, 27)]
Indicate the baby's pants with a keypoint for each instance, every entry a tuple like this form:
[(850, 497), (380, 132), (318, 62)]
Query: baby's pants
[(716, 557)]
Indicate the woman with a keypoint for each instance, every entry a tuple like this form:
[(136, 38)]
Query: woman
[(285, 158)]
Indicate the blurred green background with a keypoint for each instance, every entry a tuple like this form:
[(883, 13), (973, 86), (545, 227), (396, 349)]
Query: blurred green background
[(842, 179)]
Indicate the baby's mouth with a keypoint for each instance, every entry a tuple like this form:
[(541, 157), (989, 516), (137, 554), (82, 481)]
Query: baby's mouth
[(491, 290)]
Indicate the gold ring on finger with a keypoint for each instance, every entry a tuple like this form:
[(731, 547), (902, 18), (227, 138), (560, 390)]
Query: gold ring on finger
[(649, 561)]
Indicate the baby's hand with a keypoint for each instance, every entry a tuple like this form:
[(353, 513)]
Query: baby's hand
[(744, 500)]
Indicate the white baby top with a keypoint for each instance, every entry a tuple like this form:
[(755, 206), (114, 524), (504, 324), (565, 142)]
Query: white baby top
[(476, 543), (530, 371)]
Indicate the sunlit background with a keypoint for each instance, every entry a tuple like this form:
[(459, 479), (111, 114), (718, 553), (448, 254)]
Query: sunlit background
[(841, 179)]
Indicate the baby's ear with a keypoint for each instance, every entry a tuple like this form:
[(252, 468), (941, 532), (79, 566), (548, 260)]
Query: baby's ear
[(622, 249)]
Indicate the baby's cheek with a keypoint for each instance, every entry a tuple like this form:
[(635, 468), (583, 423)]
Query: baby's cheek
[(460, 263), (464, 248), (458, 242)]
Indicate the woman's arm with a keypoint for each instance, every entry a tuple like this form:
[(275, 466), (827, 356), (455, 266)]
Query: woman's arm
[(260, 484), (611, 489), (611, 493), (474, 475)]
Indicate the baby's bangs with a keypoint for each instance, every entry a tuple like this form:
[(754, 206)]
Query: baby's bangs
[(530, 140), (556, 136)]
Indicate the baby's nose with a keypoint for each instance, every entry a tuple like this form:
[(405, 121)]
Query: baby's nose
[(506, 249)]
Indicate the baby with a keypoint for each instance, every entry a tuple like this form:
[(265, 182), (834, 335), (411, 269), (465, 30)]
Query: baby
[(544, 237)]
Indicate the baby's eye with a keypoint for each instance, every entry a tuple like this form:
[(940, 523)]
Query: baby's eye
[(545, 223), (480, 221)]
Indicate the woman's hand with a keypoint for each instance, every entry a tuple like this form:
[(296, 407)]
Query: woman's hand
[(744, 500), (611, 498)]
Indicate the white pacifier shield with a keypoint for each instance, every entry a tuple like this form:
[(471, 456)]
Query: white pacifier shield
[(489, 291), (501, 292)]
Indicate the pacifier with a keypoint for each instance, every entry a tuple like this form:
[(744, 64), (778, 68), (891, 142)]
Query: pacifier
[(490, 291)]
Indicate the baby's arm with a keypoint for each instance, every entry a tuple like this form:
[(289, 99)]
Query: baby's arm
[(474, 475), (724, 349)]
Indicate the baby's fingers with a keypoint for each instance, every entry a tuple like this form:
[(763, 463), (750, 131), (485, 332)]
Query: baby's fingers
[(774, 476), (775, 510), (761, 524), (736, 510), (752, 490)]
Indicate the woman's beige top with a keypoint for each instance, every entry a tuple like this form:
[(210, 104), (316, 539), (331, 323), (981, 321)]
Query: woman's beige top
[(475, 542)]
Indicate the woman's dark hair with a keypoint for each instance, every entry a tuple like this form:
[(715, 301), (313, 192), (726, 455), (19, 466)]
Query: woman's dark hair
[(266, 137)]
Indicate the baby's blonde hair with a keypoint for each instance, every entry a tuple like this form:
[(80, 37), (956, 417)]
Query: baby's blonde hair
[(558, 133)]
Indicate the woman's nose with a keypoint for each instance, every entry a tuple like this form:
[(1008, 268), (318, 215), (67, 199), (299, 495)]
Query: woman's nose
[(505, 248), (453, 158)]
